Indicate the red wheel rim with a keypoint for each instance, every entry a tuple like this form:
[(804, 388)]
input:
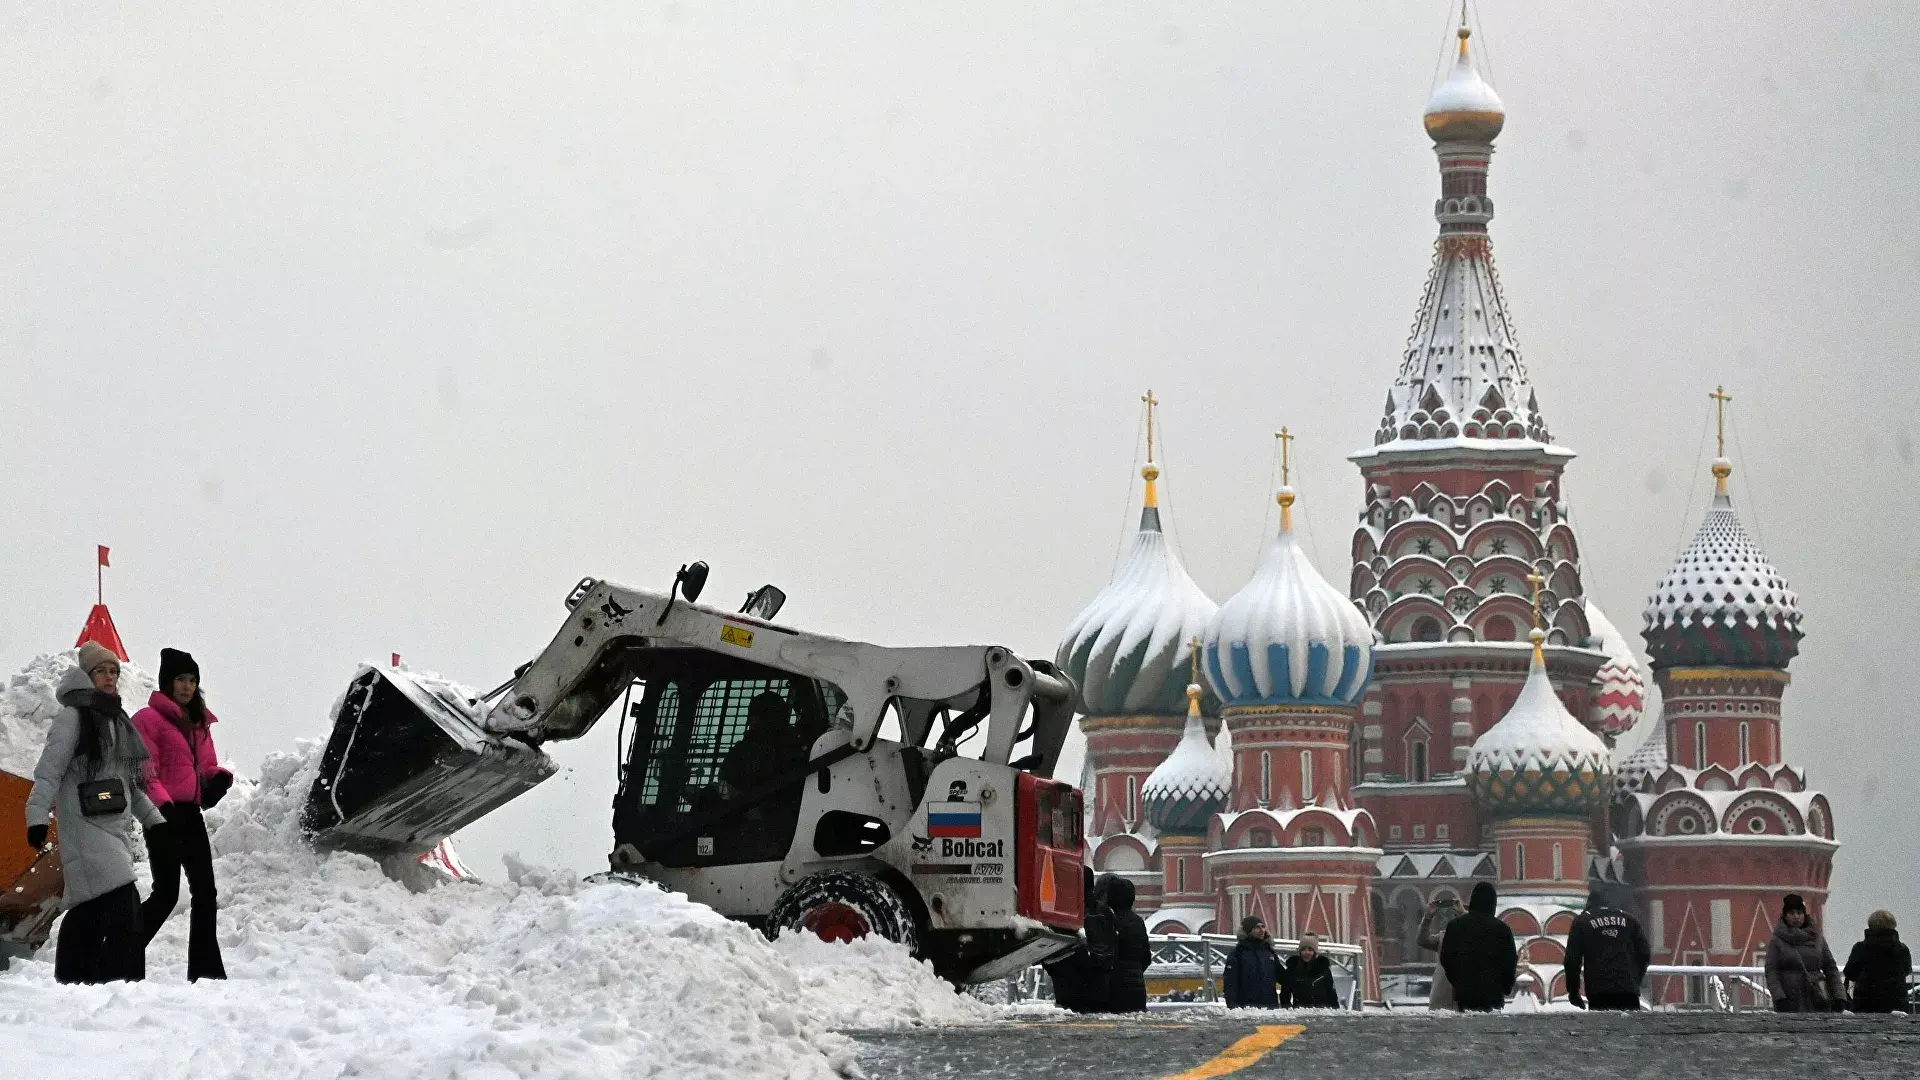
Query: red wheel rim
[(834, 921)]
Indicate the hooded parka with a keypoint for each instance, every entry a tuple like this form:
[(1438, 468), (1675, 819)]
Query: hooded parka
[(1127, 988), (1879, 968), (1478, 956), (1251, 978), (1797, 960), (96, 853)]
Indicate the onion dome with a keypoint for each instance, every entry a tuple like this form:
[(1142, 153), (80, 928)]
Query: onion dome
[(1620, 692), (1722, 603), (1648, 759), (1464, 108), (1538, 760), (1193, 783), (1129, 650), (1287, 637)]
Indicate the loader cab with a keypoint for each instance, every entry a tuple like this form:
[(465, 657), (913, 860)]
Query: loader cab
[(717, 759)]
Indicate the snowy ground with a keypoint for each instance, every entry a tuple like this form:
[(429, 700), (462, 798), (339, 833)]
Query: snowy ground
[(340, 972)]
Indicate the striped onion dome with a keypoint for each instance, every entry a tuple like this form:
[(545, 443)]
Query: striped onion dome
[(1128, 651), (1620, 691), (1287, 637), (1539, 760), (1648, 759), (1193, 783), (1722, 603)]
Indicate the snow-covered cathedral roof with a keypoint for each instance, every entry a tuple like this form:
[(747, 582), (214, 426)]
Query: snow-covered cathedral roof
[(1464, 108), (1129, 649), (1620, 696), (1287, 636), (1722, 601), (1538, 759), (1193, 783)]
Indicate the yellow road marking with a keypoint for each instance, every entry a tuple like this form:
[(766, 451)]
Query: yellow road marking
[(1241, 1054)]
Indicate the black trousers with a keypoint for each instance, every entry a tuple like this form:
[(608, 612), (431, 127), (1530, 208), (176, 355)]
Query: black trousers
[(1614, 1002), (100, 940), (186, 850)]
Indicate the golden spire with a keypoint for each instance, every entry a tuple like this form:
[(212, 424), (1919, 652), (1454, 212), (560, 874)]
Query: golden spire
[(1193, 687), (1539, 623), (1285, 498), (1722, 468), (1465, 31), (1150, 472)]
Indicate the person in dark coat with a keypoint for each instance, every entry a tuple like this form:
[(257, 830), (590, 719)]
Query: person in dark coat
[(184, 778), (92, 744), (1308, 982), (1251, 978), (1080, 977), (1127, 986), (1879, 968), (1478, 954), (1801, 974), (1608, 948)]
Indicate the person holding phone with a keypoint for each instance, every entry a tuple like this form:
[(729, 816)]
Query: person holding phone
[(1440, 998), (90, 779)]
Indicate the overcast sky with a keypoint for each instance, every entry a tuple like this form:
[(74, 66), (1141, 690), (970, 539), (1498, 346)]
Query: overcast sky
[(362, 328)]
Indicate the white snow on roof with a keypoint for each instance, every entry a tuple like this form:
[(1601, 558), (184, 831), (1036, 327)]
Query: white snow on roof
[(1647, 760), (1129, 648), (27, 706), (1192, 916), (1621, 692), (1192, 771), (1721, 577), (1538, 734), (1464, 91), (1288, 609)]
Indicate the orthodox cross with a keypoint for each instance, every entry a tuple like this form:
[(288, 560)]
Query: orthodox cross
[(1150, 401), (1720, 398), (1286, 453), (1536, 581)]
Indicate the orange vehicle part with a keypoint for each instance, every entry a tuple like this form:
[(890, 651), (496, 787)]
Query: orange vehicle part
[(30, 881)]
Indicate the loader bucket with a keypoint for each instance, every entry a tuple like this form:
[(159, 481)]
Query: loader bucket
[(30, 881), (408, 764)]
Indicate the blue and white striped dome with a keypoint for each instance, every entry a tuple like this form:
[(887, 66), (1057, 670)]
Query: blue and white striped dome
[(1128, 651), (1287, 637)]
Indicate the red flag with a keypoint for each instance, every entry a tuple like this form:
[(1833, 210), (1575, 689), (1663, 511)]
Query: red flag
[(396, 659), (103, 556)]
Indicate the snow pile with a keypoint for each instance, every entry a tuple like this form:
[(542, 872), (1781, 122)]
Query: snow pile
[(27, 706), (340, 971)]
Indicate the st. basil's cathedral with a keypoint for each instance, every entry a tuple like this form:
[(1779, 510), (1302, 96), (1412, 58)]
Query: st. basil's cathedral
[(1333, 762)]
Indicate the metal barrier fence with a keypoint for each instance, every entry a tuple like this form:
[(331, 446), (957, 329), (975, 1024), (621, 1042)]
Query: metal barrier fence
[(1187, 968)]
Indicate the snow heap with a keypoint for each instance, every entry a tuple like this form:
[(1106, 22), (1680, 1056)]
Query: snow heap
[(27, 706), (340, 971)]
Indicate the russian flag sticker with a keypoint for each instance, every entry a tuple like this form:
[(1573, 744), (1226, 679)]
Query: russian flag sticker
[(953, 819)]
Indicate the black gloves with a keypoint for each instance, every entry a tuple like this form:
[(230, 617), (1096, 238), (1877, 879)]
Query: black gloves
[(214, 788), (159, 840), (36, 837)]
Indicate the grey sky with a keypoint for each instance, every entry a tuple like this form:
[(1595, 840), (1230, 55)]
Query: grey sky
[(363, 328)]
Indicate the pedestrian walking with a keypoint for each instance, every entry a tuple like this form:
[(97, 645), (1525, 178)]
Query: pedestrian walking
[(1478, 956), (1308, 982), (1251, 978), (89, 781), (1081, 977), (1879, 968), (1127, 986), (1801, 974), (185, 778), (1608, 948), (1440, 995)]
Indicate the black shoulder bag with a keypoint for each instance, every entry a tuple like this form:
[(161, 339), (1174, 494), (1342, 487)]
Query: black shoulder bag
[(101, 798)]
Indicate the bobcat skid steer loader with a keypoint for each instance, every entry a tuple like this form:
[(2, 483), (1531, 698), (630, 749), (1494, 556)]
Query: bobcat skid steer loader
[(757, 779)]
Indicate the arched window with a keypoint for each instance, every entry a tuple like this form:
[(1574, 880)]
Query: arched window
[(1700, 745), (1306, 776), (1260, 838), (1417, 764), (1133, 799), (1426, 628), (1559, 864), (1519, 861), (1745, 745), (1266, 778)]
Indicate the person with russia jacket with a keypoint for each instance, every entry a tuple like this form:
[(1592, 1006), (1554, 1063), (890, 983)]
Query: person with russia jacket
[(1801, 974), (1608, 948), (184, 779), (1879, 968), (1080, 976), (88, 781), (1308, 982), (1127, 986), (1251, 977), (1478, 956)]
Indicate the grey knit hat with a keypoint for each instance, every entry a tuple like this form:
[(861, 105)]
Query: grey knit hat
[(93, 654)]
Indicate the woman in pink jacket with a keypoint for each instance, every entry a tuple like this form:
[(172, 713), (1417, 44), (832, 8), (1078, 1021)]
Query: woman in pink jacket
[(186, 777)]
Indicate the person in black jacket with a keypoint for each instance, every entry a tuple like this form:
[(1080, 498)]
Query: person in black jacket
[(1478, 954), (1308, 983), (1080, 977), (1879, 967), (1127, 986), (1251, 979), (1609, 948)]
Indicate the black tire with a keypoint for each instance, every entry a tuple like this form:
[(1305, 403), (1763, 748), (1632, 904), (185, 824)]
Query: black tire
[(839, 905)]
